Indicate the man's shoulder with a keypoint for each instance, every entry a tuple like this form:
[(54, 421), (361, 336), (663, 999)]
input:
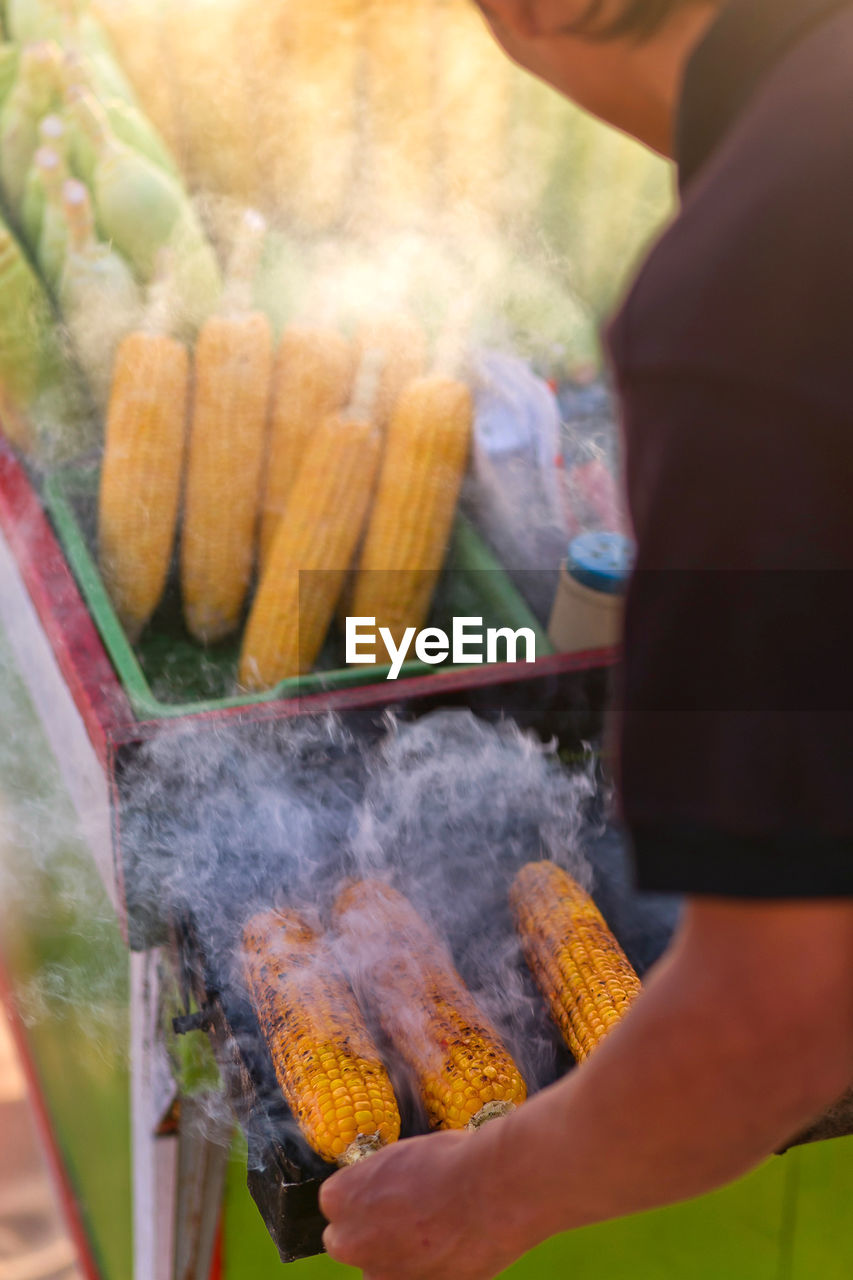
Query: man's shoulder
[(754, 278)]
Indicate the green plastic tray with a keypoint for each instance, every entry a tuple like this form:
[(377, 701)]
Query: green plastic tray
[(168, 674)]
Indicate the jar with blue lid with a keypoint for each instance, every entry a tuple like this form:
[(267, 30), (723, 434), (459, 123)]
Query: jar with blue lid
[(589, 605)]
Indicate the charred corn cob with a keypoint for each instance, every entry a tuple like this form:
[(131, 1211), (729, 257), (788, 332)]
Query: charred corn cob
[(325, 1061), (401, 972), (142, 466), (426, 450), (578, 965), (403, 346), (230, 410), (314, 545), (313, 378)]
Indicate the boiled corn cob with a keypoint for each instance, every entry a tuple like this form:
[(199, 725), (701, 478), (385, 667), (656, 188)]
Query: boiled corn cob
[(313, 378), (403, 346), (325, 1061), (426, 450), (578, 965), (402, 973), (215, 112), (230, 412), (314, 544), (143, 463)]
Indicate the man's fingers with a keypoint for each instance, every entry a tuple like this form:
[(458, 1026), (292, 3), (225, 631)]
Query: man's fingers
[(334, 1195), (337, 1242)]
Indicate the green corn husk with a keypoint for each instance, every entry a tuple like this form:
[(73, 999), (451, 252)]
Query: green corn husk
[(198, 279), (53, 237), (135, 129), (138, 205), (98, 295), (44, 409), (34, 96), (127, 123), (9, 58), (52, 140), (31, 20)]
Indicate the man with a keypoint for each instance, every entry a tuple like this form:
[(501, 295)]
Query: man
[(733, 357)]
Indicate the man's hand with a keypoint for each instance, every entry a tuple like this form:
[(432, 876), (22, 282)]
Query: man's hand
[(425, 1209), (743, 1033)]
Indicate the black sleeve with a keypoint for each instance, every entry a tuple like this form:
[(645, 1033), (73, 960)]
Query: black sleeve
[(736, 715)]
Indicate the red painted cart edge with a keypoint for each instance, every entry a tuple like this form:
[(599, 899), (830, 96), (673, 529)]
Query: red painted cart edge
[(83, 661)]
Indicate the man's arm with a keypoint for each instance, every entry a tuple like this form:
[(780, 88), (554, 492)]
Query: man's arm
[(743, 1034)]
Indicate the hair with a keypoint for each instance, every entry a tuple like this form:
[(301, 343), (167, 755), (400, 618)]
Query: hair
[(639, 18)]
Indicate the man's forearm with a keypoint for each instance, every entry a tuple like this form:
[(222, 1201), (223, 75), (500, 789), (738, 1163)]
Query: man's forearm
[(689, 1093)]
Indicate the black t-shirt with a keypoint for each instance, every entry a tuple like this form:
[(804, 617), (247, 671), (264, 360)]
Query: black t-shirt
[(734, 359)]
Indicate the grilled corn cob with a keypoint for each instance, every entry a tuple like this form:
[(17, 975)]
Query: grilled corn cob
[(313, 378), (230, 411), (578, 965), (314, 544), (142, 467), (426, 450), (403, 346), (325, 1061), (402, 973)]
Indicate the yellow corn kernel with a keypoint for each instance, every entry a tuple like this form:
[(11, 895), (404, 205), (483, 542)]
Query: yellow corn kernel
[(578, 965), (233, 374), (325, 1061), (426, 451), (313, 378), (141, 473), (311, 552), (403, 975)]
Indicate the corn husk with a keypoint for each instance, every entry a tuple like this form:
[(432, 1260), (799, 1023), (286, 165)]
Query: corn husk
[(52, 140), (44, 409), (34, 95), (9, 56), (98, 296), (142, 210)]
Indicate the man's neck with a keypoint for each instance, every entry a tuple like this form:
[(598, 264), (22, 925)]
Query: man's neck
[(659, 66)]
